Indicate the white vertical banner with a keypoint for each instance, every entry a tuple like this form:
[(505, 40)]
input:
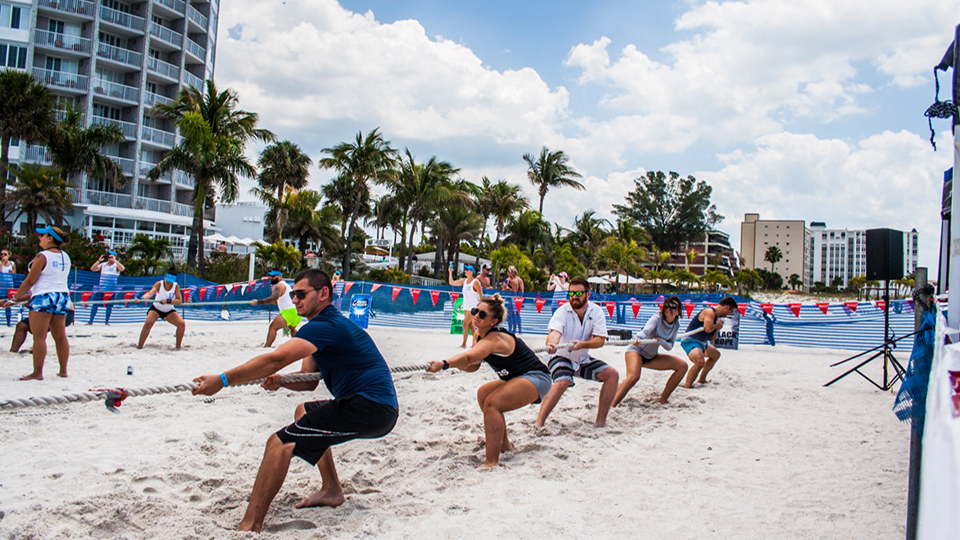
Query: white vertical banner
[(953, 313)]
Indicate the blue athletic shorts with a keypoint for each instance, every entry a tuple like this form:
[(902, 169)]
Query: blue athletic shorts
[(689, 345), (56, 303)]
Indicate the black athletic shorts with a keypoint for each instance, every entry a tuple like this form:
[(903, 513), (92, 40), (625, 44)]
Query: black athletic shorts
[(163, 314), (336, 421)]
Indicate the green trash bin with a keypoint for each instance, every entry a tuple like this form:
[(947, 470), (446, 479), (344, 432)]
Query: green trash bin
[(456, 323)]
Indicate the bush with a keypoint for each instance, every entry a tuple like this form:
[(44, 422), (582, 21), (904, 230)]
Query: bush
[(227, 267), (390, 275)]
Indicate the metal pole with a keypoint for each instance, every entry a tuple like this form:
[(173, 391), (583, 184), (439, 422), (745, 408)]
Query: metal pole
[(916, 437), (953, 313)]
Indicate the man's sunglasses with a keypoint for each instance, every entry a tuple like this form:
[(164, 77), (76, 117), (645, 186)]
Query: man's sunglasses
[(300, 294), (478, 314), (576, 294)]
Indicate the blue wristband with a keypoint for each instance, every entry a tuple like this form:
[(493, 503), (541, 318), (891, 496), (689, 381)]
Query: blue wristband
[(223, 379)]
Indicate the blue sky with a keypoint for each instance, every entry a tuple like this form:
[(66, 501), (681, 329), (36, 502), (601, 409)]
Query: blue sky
[(803, 109)]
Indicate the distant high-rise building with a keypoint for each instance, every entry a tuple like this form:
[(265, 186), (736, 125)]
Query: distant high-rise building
[(842, 253), (790, 236), (113, 61)]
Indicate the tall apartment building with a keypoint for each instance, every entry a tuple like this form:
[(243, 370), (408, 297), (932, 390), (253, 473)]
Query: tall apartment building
[(114, 60), (791, 236), (842, 253), (713, 252)]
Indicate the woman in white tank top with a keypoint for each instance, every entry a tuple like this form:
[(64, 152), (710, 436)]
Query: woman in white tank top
[(472, 295), (46, 288), (166, 295)]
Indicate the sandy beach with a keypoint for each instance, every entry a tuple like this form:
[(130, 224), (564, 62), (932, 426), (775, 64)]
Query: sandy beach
[(763, 451)]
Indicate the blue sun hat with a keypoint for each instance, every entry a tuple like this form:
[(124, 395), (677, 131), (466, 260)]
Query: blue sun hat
[(170, 278), (274, 273), (112, 252), (469, 267), (49, 230)]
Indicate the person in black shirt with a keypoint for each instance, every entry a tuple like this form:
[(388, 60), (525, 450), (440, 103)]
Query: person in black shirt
[(524, 379)]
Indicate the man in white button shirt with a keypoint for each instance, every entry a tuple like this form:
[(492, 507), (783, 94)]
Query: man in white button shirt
[(584, 325)]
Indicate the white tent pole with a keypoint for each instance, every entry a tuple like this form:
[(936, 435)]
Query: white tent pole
[(253, 257)]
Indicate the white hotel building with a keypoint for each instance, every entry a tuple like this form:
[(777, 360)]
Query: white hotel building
[(114, 60), (842, 253)]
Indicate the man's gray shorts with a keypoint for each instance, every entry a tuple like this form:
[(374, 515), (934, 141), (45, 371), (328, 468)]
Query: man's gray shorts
[(561, 369)]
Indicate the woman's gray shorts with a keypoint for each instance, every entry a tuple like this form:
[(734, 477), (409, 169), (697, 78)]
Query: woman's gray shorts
[(541, 380)]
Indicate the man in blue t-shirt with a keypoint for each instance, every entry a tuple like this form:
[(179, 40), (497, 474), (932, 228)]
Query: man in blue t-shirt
[(364, 404)]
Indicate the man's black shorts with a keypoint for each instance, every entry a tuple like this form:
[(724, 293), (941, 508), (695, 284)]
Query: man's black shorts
[(336, 421)]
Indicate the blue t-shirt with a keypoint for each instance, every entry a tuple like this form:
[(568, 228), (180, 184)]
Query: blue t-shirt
[(348, 358)]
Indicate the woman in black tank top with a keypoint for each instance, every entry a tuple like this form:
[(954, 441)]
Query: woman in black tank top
[(519, 369)]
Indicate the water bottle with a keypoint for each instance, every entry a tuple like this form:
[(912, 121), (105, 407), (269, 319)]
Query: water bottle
[(129, 370)]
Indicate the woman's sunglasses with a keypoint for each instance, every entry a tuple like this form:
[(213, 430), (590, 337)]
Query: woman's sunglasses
[(576, 294), (478, 314), (300, 294), (674, 307)]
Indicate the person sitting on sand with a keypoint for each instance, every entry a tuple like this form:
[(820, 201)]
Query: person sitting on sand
[(46, 287), (22, 328), (704, 355), (364, 403), (472, 293), (663, 328), (288, 312), (168, 296), (523, 377), (583, 324)]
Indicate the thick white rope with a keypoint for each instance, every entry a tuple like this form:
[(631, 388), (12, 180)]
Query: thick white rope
[(211, 303), (619, 342)]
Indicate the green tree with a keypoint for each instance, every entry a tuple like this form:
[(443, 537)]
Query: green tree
[(38, 191), (673, 210), (367, 159), (747, 278), (507, 201), (279, 255), (715, 278), (565, 261), (685, 279), (214, 136), (528, 231), (455, 224), (75, 149), (307, 221), (794, 281), (507, 256), (26, 113), (150, 251), (773, 255), (281, 165), (772, 281), (622, 256), (550, 170), (589, 233)]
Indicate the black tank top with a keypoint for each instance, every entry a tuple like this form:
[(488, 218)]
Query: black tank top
[(521, 361), (696, 324)]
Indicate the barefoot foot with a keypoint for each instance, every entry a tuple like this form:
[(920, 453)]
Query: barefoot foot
[(488, 466), (599, 424), (32, 377), (506, 447), (322, 498), (62, 374)]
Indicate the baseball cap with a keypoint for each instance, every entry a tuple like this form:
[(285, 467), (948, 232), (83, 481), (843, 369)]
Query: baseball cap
[(564, 274)]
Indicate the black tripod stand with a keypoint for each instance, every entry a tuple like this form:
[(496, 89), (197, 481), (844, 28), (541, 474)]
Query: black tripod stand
[(885, 350)]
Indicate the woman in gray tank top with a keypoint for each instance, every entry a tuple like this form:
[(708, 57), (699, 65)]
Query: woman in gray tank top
[(662, 327)]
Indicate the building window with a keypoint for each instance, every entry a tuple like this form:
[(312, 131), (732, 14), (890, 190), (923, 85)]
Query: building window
[(10, 16), (13, 56)]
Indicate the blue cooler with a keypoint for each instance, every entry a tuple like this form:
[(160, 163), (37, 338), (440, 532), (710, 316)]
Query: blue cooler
[(360, 309)]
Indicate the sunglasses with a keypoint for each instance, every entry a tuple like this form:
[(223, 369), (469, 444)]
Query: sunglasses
[(300, 294), (576, 294), (673, 307), (478, 314)]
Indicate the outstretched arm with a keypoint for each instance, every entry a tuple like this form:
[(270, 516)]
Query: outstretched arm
[(450, 279), (470, 359), (258, 367), (308, 365), (149, 294), (275, 295)]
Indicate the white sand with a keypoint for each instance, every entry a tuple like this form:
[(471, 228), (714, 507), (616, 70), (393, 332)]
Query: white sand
[(763, 452)]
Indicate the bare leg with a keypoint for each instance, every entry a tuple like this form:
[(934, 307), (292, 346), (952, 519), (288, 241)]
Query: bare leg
[(273, 470), (467, 328), (39, 324), (331, 492), (609, 377), (634, 366), (551, 400), (712, 356), (176, 320), (695, 356), (496, 400), (147, 325), (666, 362), (19, 336), (59, 333), (275, 325)]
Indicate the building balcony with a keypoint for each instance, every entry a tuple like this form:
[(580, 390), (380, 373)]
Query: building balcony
[(166, 34), (160, 67), (36, 154), (153, 205), (74, 194), (121, 56), (126, 164), (81, 8), (105, 198), (158, 137), (146, 167), (61, 115), (189, 79), (129, 128), (198, 18), (62, 80), (63, 43), (177, 6), (182, 179), (196, 50), (123, 20), (116, 91), (181, 209), (151, 99)]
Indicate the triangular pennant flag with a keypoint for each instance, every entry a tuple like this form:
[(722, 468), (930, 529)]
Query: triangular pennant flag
[(126, 296), (396, 291), (540, 303), (795, 308), (610, 307), (375, 287), (235, 287), (881, 304), (689, 310), (518, 301), (186, 295), (11, 293), (454, 296), (712, 304), (742, 308), (660, 308), (84, 297), (561, 302), (219, 290), (852, 306), (910, 303), (767, 308), (243, 289), (251, 282), (824, 306), (636, 308), (415, 293), (346, 287), (201, 293), (107, 296), (434, 295)]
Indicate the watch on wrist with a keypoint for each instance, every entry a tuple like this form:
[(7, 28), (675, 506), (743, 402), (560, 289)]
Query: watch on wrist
[(446, 365)]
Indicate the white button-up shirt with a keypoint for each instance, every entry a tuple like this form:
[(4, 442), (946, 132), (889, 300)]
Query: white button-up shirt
[(567, 322)]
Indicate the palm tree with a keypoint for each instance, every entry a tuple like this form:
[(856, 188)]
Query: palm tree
[(39, 191), (279, 255), (367, 159), (307, 220), (150, 250), (26, 113), (507, 201), (76, 149), (773, 255), (691, 256), (483, 201), (685, 278), (529, 231), (795, 281), (550, 170), (589, 233), (622, 256), (715, 277), (747, 278), (214, 135), (455, 224), (281, 165)]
